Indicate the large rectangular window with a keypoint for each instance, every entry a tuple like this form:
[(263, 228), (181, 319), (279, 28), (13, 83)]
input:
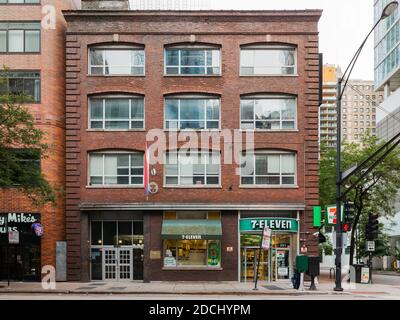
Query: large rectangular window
[(267, 60), (268, 168), (16, 37), (116, 61), (21, 83), (192, 113), (192, 169), (192, 61), (19, 1), (116, 113), (268, 113), (116, 169)]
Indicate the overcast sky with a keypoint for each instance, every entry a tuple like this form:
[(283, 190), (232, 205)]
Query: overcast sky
[(343, 26)]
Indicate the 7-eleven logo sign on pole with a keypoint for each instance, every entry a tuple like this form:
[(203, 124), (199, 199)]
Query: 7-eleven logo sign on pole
[(331, 215)]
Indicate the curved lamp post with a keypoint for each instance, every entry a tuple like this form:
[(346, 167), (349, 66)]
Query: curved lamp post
[(387, 11)]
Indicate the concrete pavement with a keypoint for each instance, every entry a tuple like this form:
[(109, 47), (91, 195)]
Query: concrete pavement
[(281, 289)]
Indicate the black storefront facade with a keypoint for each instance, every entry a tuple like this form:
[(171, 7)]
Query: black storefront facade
[(20, 261)]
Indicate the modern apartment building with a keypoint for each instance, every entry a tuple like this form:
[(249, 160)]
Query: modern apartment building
[(135, 74), (387, 77), (32, 48), (359, 106), (327, 110)]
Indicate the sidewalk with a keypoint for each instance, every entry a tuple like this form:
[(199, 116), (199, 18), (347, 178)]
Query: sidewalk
[(324, 286)]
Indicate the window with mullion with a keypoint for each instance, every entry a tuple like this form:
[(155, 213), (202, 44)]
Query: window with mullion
[(273, 113), (194, 168), (20, 37), (191, 113), (116, 113), (116, 61), (268, 169), (19, 1), (116, 169), (268, 61), (25, 83), (190, 61)]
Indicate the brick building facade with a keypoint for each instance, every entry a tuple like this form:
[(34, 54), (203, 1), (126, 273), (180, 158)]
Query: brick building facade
[(40, 58), (228, 212)]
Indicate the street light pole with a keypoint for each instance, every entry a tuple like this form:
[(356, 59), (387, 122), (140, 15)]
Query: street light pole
[(387, 11)]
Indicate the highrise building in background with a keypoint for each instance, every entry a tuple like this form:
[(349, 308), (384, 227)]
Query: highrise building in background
[(170, 4), (359, 105), (327, 110), (33, 51)]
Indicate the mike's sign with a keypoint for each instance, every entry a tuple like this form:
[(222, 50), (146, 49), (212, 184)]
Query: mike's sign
[(20, 221)]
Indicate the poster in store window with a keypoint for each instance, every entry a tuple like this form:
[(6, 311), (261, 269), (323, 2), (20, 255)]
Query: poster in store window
[(214, 251)]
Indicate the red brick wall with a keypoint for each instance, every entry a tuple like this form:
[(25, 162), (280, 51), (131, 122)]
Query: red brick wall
[(49, 116), (154, 31)]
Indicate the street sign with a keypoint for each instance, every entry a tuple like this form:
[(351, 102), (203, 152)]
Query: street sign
[(266, 241), (331, 215), (370, 246), (13, 237)]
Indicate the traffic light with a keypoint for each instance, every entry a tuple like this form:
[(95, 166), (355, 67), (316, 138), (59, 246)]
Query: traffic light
[(371, 230), (348, 211)]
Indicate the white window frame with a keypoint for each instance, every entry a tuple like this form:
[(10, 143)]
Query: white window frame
[(191, 97), (103, 185), (104, 97), (269, 47), (117, 48), (193, 48), (179, 176), (266, 97), (254, 176)]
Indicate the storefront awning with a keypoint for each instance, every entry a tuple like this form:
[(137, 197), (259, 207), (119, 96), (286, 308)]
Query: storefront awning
[(191, 229)]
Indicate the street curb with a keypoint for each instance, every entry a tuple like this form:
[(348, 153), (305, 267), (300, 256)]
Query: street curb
[(268, 293)]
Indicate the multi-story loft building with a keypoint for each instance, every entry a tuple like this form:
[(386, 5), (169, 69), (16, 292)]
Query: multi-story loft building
[(327, 110), (32, 49), (132, 75), (359, 107)]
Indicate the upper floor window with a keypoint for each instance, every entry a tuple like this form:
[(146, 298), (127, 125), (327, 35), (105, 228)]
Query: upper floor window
[(25, 83), (192, 60), (116, 112), (268, 168), (195, 168), (192, 112), (117, 60), (18, 37), (19, 1), (268, 112), (116, 168), (268, 60)]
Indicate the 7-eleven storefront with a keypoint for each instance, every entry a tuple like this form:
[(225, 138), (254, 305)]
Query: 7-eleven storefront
[(277, 262)]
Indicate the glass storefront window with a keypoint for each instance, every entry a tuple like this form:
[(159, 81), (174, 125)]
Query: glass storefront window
[(109, 233), (97, 269), (96, 233), (124, 233), (192, 253)]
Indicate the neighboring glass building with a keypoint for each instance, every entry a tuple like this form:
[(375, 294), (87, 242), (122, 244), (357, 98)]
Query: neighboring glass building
[(387, 47)]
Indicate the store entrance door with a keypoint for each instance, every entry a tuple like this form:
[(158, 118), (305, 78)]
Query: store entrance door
[(117, 264), (280, 263), (249, 259)]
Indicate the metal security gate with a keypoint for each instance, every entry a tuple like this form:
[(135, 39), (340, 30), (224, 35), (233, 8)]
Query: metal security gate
[(117, 264)]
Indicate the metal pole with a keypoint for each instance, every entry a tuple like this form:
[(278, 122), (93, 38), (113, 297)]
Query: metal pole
[(8, 266), (258, 262), (338, 260)]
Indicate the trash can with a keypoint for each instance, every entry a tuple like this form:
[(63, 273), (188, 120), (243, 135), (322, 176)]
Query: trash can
[(355, 272)]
